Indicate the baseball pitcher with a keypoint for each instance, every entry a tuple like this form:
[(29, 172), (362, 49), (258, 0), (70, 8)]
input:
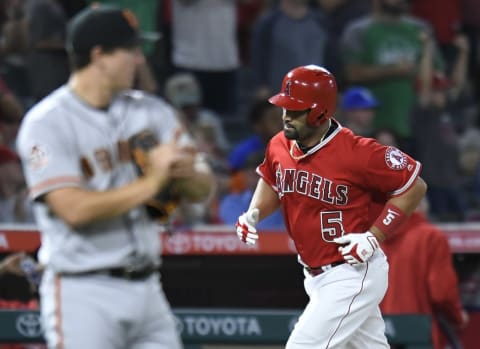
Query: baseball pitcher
[(100, 161)]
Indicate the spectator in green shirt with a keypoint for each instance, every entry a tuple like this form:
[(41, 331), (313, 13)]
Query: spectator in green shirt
[(382, 51)]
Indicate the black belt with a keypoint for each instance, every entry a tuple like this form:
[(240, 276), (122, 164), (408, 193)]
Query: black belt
[(319, 270), (124, 273)]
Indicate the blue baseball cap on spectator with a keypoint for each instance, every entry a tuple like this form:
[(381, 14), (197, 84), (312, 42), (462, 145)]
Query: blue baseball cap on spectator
[(358, 98)]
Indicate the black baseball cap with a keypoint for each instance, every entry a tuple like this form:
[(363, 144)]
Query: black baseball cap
[(106, 26)]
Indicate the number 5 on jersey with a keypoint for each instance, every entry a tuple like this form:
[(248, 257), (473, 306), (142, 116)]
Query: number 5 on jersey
[(331, 225)]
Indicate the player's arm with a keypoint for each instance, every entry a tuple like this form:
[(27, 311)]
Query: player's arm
[(77, 206), (358, 248), (397, 209), (263, 203), (265, 199)]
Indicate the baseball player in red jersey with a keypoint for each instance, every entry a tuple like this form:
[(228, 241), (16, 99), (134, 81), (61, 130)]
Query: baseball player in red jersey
[(328, 183), (438, 294)]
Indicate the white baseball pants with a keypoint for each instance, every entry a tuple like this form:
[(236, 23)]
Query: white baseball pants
[(103, 312), (343, 311)]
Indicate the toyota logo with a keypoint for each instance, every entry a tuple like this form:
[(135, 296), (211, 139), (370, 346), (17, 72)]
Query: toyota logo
[(178, 244), (29, 325)]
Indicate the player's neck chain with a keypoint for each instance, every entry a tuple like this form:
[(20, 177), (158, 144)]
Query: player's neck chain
[(299, 157)]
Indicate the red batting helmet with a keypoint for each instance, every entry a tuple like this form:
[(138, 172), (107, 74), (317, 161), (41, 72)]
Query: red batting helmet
[(308, 87)]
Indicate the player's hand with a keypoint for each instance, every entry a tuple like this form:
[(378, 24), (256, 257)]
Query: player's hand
[(162, 157), (245, 225), (357, 248), (183, 165), (166, 160)]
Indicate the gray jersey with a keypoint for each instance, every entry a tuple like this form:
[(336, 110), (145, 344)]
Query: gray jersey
[(66, 143)]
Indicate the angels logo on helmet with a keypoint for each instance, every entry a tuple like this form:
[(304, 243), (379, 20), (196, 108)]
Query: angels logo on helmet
[(287, 88)]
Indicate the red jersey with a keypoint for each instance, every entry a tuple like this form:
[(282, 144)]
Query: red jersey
[(334, 188), (422, 278)]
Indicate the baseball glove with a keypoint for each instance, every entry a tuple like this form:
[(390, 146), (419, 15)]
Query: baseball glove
[(165, 203)]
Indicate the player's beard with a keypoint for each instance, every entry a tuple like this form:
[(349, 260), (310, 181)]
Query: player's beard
[(304, 134), (291, 133)]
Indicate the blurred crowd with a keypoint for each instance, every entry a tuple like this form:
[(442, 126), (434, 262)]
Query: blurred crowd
[(408, 73)]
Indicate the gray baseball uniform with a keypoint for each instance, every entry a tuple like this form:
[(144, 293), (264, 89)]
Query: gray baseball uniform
[(66, 143)]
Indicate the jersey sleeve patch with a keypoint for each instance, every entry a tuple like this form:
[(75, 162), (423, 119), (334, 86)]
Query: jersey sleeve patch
[(395, 158), (38, 157)]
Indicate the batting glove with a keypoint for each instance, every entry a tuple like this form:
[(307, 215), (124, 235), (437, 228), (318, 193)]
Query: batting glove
[(357, 248), (245, 225)]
